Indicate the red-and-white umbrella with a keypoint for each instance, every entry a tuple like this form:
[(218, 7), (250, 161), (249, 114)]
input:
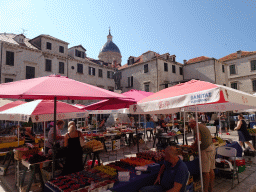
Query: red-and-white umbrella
[(195, 96), (41, 111), (206, 96), (11, 105)]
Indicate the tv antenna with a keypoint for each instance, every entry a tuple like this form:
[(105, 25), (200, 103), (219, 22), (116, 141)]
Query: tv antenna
[(23, 31)]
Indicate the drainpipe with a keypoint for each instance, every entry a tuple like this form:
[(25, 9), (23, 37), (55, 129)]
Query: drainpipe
[(214, 71), (1, 62), (67, 66), (157, 88)]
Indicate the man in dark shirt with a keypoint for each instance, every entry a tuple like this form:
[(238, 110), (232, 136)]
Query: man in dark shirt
[(172, 176)]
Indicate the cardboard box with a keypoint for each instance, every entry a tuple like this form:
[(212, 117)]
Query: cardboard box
[(108, 144), (116, 144)]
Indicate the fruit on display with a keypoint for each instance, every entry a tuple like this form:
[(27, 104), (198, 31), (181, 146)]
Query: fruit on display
[(113, 165), (93, 144), (106, 169), (134, 161), (171, 134), (151, 155), (8, 139), (217, 139)]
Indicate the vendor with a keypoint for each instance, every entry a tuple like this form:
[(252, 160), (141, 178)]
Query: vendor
[(173, 174), (207, 154), (28, 134), (162, 123), (132, 123), (59, 138), (102, 126)]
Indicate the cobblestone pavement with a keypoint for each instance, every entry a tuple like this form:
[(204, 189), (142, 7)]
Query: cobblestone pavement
[(247, 178)]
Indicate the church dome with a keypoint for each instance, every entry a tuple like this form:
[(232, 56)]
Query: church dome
[(110, 46), (110, 53)]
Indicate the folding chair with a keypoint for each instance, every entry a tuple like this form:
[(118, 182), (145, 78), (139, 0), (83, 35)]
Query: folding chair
[(229, 152)]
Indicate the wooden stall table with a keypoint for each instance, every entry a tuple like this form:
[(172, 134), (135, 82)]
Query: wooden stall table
[(35, 168), (9, 157), (253, 135)]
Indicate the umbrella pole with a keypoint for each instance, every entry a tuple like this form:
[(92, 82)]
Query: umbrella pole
[(145, 126), (228, 123), (54, 137), (138, 147), (199, 151), (220, 127), (18, 133), (44, 136), (172, 122), (184, 125)]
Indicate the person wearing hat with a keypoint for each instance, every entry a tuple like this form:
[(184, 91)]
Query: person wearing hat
[(59, 138)]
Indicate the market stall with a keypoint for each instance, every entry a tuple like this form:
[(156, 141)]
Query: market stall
[(54, 87), (195, 96)]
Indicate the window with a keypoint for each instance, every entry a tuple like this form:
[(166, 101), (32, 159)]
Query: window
[(9, 58), (110, 74), (166, 85), (91, 71), (61, 67), (30, 72), (48, 46), (7, 80), (100, 73), (181, 71), (224, 84), (80, 54), (232, 69), (253, 65), (234, 85), (80, 68), (223, 68), (129, 81), (254, 85), (48, 65), (146, 87), (111, 88), (61, 49), (165, 66), (146, 68), (173, 69)]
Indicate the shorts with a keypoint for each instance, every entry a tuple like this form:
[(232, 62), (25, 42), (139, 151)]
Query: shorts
[(208, 159), (223, 124)]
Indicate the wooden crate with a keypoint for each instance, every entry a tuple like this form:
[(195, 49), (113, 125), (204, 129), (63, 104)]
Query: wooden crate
[(35, 187), (19, 154)]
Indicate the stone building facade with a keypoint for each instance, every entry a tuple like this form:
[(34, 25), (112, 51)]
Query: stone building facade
[(23, 58), (206, 69), (241, 70), (150, 72)]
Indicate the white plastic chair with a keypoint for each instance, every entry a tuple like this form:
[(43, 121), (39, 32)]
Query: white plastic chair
[(229, 152)]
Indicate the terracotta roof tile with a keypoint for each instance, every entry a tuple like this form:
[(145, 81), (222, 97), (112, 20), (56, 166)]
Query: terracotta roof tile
[(234, 55), (9, 38), (197, 59)]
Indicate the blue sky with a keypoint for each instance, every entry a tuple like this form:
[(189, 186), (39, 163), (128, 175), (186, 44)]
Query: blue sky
[(186, 28)]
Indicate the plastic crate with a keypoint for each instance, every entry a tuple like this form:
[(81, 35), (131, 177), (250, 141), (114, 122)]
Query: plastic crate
[(241, 169)]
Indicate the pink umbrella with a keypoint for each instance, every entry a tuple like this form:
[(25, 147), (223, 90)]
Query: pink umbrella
[(54, 87), (114, 104), (11, 105)]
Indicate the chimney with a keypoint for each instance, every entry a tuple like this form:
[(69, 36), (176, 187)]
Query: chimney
[(184, 61), (239, 54)]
